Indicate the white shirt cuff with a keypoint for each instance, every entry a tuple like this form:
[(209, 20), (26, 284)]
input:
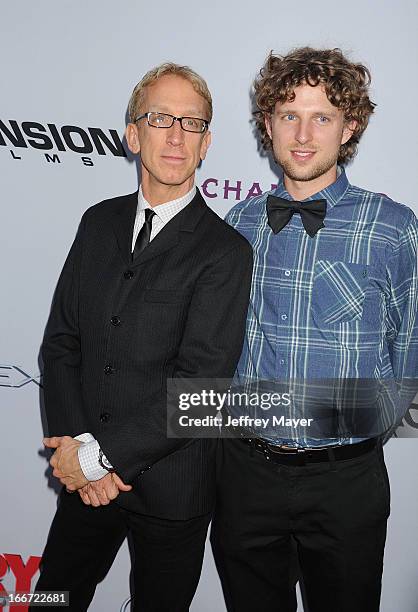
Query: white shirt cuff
[(88, 456), (84, 437)]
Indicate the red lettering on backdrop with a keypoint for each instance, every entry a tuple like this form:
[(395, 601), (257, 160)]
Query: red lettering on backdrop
[(23, 573), (3, 571)]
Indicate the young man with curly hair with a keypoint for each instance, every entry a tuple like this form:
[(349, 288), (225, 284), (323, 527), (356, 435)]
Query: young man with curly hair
[(333, 322)]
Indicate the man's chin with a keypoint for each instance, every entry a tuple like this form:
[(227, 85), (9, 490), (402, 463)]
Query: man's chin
[(301, 174), (308, 173), (175, 180)]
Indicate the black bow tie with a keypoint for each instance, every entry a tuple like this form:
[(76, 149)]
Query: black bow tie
[(280, 211)]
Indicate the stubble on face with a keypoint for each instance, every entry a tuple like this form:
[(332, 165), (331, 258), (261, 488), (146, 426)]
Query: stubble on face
[(296, 173)]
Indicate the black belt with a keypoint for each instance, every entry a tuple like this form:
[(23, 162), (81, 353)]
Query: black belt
[(301, 456)]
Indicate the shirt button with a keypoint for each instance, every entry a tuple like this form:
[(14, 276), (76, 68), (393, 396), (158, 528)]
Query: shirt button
[(128, 274), (284, 317), (108, 369), (105, 417), (282, 361), (287, 273), (115, 321)]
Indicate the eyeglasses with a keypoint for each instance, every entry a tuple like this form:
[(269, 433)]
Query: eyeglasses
[(162, 120)]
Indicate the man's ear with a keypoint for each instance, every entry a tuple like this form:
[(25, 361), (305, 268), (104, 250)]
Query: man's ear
[(267, 123), (207, 139), (348, 131), (132, 138)]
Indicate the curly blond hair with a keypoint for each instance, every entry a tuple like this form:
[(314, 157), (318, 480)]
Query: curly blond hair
[(346, 85)]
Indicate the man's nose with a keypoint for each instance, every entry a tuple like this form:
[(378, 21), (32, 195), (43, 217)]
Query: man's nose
[(175, 133), (303, 132)]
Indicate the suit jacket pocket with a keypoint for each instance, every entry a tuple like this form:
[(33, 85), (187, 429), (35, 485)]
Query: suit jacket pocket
[(338, 291)]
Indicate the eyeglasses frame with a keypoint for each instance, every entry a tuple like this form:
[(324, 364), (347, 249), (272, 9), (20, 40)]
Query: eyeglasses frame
[(179, 119)]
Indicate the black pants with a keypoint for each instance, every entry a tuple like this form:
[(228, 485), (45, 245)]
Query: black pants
[(332, 515), (83, 542)]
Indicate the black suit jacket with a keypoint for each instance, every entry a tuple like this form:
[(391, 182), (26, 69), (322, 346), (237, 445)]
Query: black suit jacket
[(117, 330)]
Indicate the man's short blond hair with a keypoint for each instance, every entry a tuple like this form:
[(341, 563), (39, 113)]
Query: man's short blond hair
[(198, 83)]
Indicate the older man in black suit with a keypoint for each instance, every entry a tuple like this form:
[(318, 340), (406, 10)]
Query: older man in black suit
[(155, 286)]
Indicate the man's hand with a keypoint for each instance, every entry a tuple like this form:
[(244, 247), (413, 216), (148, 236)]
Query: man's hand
[(65, 462), (101, 492)]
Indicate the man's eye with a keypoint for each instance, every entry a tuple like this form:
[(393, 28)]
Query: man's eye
[(190, 122), (323, 119), (289, 117)]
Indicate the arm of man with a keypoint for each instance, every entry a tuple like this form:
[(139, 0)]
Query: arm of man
[(61, 352), (210, 348), (402, 332)]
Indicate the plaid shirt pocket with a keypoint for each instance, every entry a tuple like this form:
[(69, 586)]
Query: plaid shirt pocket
[(338, 291)]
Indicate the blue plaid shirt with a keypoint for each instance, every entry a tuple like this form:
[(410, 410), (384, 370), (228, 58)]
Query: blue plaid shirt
[(341, 306)]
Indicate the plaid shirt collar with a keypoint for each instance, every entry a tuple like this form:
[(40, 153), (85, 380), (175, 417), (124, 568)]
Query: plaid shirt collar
[(332, 194)]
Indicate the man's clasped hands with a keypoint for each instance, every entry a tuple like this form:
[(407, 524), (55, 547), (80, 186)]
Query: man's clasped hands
[(66, 467)]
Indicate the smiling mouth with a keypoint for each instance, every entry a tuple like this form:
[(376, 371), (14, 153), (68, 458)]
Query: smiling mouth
[(302, 155)]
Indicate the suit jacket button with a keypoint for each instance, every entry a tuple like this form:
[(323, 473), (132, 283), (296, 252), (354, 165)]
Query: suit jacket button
[(128, 274), (105, 417), (108, 369), (115, 321)]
